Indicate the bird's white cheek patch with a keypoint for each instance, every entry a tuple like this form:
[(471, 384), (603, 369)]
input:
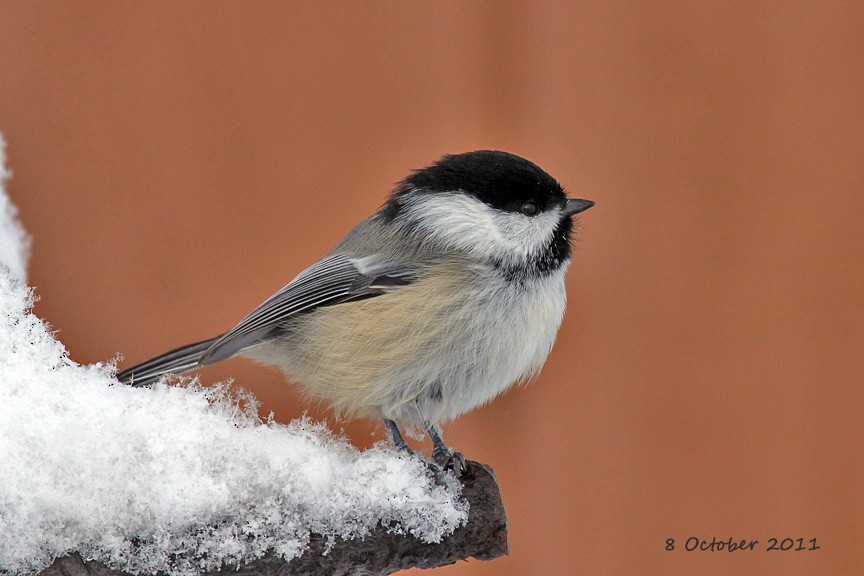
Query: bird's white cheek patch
[(526, 236), (465, 223), (455, 220)]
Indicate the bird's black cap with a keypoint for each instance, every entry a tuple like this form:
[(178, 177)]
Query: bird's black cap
[(500, 179)]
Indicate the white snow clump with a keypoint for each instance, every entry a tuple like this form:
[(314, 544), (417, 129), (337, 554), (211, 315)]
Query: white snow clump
[(14, 242)]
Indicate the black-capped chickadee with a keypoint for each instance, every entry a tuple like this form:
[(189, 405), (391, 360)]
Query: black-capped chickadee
[(435, 304)]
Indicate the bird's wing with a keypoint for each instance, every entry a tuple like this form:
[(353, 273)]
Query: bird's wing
[(334, 279)]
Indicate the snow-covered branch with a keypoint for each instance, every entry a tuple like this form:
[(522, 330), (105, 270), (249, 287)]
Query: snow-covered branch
[(380, 552)]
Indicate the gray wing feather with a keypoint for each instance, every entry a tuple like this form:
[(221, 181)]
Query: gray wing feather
[(332, 280), (174, 361)]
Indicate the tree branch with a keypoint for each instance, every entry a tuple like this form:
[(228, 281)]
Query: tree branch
[(380, 553)]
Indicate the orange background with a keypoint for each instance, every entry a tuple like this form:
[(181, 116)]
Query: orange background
[(176, 163)]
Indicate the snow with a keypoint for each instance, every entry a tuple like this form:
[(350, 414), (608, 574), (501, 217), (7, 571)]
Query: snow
[(14, 242), (178, 478)]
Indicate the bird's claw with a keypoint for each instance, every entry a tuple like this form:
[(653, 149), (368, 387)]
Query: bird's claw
[(448, 459)]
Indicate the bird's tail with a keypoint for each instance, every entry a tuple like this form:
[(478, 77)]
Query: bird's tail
[(176, 361)]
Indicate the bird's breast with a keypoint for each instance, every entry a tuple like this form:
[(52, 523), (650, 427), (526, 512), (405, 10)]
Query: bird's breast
[(453, 339)]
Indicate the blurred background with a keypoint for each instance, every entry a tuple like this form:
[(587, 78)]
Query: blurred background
[(176, 163)]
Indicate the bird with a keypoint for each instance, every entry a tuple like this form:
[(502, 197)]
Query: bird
[(449, 294)]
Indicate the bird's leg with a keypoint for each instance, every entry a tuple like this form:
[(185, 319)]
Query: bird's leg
[(444, 456), (396, 436)]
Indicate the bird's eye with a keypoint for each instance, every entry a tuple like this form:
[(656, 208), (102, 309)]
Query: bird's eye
[(529, 209)]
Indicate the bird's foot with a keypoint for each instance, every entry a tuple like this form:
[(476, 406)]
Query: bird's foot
[(396, 437), (448, 459)]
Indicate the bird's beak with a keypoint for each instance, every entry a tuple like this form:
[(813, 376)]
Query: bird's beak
[(575, 206)]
